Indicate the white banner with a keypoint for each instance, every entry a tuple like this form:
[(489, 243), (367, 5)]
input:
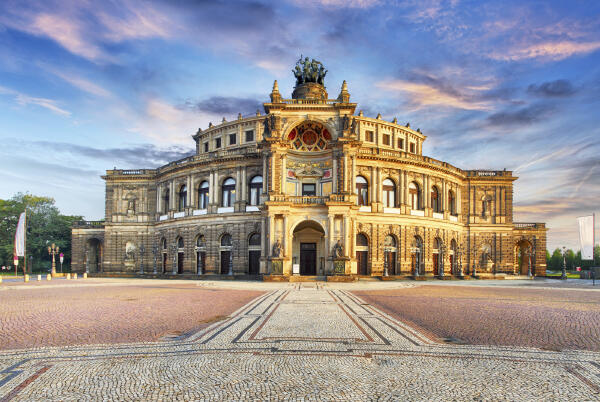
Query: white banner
[(586, 236), (20, 237)]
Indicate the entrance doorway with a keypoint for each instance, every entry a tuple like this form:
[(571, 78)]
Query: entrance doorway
[(254, 254), (308, 258), (226, 256), (362, 254), (307, 248)]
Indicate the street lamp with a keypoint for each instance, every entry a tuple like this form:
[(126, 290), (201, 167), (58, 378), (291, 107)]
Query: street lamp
[(142, 250), (386, 250), (442, 251), (53, 250), (529, 261), (459, 260), (233, 246), (174, 251), (416, 249), (155, 254), (62, 258), (564, 267)]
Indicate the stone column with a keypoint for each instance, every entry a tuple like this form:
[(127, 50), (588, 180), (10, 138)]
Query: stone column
[(378, 189), (346, 235), (244, 185), (373, 187), (272, 234), (265, 173), (284, 239), (335, 175), (238, 179), (193, 193), (283, 173), (273, 174), (188, 196), (172, 196), (353, 183), (159, 207), (345, 174), (211, 187)]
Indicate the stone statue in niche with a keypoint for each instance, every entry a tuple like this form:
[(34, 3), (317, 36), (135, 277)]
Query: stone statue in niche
[(277, 249), (129, 251), (338, 250)]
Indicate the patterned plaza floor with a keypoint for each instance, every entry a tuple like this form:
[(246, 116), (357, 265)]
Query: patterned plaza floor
[(300, 342)]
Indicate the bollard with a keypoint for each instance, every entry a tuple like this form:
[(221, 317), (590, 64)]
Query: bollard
[(0, 279), (26, 278), (39, 277), (68, 276), (85, 275), (74, 276), (48, 277)]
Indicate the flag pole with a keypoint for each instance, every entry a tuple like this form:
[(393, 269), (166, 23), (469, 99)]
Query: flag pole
[(25, 244)]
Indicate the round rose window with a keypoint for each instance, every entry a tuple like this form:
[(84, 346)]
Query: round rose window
[(309, 136)]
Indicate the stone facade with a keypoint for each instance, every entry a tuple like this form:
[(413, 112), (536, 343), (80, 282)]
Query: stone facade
[(277, 192)]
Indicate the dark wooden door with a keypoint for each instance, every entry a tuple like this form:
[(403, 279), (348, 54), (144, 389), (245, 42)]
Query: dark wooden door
[(361, 261), (435, 264), (253, 262), (164, 263), (308, 258), (225, 256), (180, 257), (391, 262), (452, 267)]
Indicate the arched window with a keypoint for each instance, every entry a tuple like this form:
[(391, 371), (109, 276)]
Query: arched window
[(415, 195), (362, 189), (167, 198), (361, 240), (436, 201), (451, 202), (203, 195), (228, 192), (389, 193), (226, 240), (255, 189), (254, 240), (182, 198), (180, 243)]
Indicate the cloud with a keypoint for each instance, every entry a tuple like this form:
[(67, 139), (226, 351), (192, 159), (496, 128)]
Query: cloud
[(337, 3), (24, 100), (426, 94), (225, 105), (81, 83), (548, 50), (550, 89), (522, 116)]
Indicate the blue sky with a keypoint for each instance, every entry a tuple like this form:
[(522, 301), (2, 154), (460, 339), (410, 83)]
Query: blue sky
[(87, 85)]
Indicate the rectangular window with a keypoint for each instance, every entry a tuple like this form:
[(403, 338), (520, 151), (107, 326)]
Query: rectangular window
[(249, 135), (217, 143), (309, 189), (232, 139), (401, 143), (386, 139), (369, 136), (412, 147), (206, 147)]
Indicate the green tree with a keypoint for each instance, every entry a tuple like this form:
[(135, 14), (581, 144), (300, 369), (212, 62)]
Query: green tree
[(45, 225), (556, 260)]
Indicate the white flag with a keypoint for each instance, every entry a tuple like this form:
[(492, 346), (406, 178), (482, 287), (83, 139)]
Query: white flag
[(586, 236), (20, 237)]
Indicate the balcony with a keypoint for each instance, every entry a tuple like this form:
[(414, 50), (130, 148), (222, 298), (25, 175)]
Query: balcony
[(308, 199), (529, 225), (88, 224)]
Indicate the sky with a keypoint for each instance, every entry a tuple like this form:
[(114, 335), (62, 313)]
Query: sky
[(86, 86)]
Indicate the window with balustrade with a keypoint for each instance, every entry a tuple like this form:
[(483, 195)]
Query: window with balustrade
[(362, 190), (389, 193), (255, 190), (414, 194), (203, 195), (228, 192), (182, 198)]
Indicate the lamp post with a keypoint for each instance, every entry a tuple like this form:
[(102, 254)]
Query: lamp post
[(442, 251), (417, 251), (53, 250), (142, 250), (62, 258), (155, 254), (233, 247), (174, 251), (529, 262), (386, 250), (564, 267), (459, 260)]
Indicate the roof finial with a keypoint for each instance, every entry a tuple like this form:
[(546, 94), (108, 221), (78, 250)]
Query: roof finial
[(275, 95), (344, 95)]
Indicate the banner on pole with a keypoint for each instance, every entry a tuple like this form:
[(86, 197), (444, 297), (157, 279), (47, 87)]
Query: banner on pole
[(586, 236), (20, 237)]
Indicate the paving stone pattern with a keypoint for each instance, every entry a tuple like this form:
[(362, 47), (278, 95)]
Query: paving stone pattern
[(553, 319), (96, 311), (300, 343)]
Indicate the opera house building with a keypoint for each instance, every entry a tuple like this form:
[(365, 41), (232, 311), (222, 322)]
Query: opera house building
[(309, 187)]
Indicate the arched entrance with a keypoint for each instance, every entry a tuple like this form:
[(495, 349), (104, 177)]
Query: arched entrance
[(254, 254), (308, 247), (93, 257), (200, 254), (522, 250), (180, 255), (416, 255), (362, 254), (226, 255), (390, 253), (437, 267)]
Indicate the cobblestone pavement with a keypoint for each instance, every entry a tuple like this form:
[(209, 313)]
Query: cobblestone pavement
[(553, 319), (300, 342), (95, 311)]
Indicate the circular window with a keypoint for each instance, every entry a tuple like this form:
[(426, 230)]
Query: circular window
[(309, 136)]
